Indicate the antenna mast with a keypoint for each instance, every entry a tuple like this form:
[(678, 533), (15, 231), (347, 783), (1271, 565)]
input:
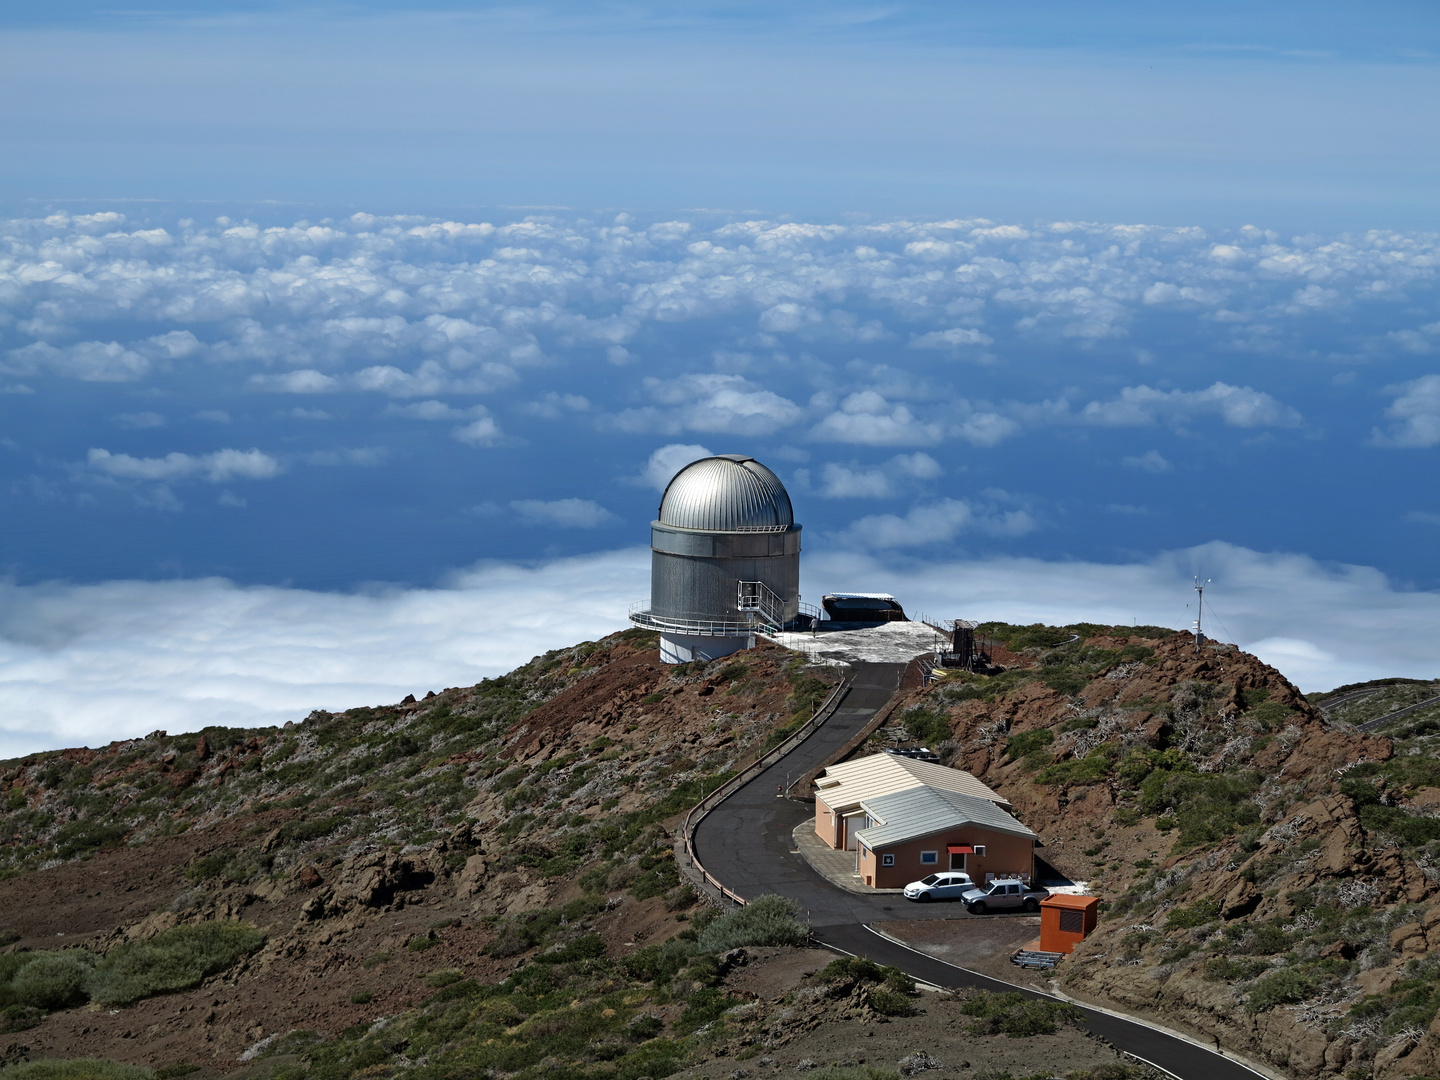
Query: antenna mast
[(1199, 610)]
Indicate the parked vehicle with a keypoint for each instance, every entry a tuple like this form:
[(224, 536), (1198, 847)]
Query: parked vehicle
[(950, 885), (1002, 896)]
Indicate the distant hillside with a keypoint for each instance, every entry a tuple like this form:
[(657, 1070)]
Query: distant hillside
[(1271, 874)]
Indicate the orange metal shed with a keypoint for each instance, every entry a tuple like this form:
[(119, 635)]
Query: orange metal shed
[(1066, 920)]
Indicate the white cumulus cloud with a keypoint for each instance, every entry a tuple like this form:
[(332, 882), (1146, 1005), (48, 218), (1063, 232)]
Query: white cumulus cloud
[(216, 468), (1414, 415), (724, 404), (937, 522), (869, 419), (1237, 406), (565, 513), (1152, 461), (665, 462)]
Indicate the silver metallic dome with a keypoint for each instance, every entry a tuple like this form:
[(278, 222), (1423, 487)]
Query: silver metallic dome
[(727, 493)]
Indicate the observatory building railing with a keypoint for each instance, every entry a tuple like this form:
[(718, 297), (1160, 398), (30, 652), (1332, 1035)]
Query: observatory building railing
[(699, 623)]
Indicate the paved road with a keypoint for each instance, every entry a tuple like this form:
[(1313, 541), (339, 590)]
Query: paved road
[(726, 840), (746, 843), (1183, 1059)]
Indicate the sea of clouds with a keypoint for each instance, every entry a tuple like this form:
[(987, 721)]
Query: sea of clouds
[(84, 665), (868, 357), (415, 310)]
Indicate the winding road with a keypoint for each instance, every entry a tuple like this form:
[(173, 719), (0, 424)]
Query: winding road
[(745, 842)]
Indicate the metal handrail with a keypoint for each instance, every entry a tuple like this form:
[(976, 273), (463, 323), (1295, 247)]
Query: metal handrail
[(744, 776), (641, 615)]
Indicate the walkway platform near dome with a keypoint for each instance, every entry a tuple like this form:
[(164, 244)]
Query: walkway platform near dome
[(887, 643)]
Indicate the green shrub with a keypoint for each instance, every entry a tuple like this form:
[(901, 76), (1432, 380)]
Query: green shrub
[(703, 1007), (1225, 969), (1283, 987), (1208, 807), (1268, 715), (76, 1069), (927, 726), (210, 866), (1093, 768), (1069, 683), (174, 1072), (178, 959), (1198, 914), (585, 947), (851, 1072), (444, 977), (361, 997), (1029, 744), (767, 920), (1016, 1015), (889, 1003), (682, 896), (661, 962), (82, 836), (53, 981), (1265, 939)]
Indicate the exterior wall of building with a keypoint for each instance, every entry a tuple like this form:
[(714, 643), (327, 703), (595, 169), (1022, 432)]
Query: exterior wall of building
[(697, 575), (827, 823), (1065, 921), (683, 648), (1005, 856)]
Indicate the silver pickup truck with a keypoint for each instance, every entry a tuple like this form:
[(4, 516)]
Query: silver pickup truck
[(1002, 896)]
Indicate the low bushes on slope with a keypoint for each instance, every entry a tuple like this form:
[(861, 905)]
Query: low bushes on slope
[(177, 959), (1016, 1015), (76, 1069), (34, 983), (768, 920)]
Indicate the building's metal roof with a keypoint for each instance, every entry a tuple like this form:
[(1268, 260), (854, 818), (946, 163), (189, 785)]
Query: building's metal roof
[(850, 783), (921, 811), (727, 493), (858, 596)]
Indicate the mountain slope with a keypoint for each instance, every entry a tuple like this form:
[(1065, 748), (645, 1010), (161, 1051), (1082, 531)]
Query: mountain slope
[(1270, 874)]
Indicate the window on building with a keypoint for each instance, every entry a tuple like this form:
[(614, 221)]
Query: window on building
[(864, 852), (929, 858), (887, 860), (979, 851)]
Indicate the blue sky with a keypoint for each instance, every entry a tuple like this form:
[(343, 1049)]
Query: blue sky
[(308, 307)]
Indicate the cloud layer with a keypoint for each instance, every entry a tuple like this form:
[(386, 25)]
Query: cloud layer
[(88, 664)]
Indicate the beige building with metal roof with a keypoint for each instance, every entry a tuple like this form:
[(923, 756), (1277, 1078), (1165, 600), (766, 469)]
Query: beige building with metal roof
[(840, 790)]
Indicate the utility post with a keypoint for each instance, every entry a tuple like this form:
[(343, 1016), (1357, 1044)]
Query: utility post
[(1199, 610)]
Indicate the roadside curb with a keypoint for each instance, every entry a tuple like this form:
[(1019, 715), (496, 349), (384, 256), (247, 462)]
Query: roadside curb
[(808, 827), (1058, 995)]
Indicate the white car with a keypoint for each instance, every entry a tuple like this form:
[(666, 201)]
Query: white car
[(948, 885)]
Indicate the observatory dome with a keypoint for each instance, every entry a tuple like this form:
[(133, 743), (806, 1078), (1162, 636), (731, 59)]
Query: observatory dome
[(727, 493)]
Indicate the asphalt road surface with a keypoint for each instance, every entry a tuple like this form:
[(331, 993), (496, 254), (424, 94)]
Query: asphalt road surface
[(745, 842)]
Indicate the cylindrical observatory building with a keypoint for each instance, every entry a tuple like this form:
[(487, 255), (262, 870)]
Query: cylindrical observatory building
[(725, 560)]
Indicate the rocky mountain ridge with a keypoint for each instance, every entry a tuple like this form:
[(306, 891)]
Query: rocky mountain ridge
[(1271, 875)]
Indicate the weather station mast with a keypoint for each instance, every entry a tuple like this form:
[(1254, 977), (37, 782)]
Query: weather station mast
[(1200, 611)]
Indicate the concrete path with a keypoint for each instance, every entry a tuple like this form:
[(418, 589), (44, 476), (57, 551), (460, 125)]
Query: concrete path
[(746, 842)]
